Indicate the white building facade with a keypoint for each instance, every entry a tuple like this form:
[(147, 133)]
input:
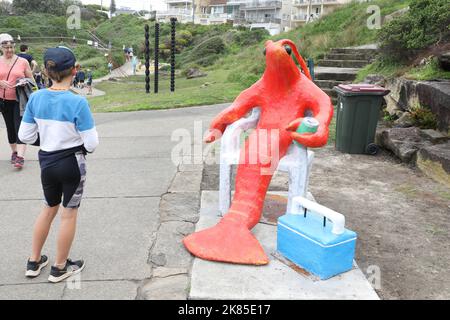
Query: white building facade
[(276, 16), (304, 11)]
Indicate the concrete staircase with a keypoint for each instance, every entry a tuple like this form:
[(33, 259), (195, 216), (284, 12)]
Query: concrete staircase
[(341, 66)]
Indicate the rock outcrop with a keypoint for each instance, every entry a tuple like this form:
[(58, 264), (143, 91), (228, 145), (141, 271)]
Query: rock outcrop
[(406, 95)]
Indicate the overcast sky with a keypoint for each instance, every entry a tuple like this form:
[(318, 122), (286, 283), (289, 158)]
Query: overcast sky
[(135, 4)]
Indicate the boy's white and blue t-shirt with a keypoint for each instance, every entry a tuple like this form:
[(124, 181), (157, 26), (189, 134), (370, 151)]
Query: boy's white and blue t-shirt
[(63, 119), (66, 131)]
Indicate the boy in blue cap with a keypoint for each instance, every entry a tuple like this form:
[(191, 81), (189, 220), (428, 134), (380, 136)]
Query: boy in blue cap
[(67, 133)]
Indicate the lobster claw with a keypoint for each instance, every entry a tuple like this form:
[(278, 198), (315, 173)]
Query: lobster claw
[(312, 140), (212, 135), (294, 124)]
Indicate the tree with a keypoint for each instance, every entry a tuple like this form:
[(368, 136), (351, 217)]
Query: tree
[(112, 7), (5, 8), (22, 7)]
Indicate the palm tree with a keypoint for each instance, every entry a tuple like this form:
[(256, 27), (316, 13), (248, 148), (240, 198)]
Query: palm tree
[(112, 7)]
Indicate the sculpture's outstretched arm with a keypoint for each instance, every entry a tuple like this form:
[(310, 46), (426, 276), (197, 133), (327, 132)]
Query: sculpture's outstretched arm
[(247, 100), (322, 109)]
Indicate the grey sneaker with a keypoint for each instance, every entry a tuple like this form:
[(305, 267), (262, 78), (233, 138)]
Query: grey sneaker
[(13, 157), (20, 161), (34, 268), (71, 268)]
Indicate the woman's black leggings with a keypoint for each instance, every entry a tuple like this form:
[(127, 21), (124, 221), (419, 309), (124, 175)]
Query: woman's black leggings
[(11, 114)]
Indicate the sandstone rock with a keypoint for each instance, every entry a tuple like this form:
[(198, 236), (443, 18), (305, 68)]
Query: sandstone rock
[(435, 137), (376, 79), (405, 121), (436, 96), (194, 73), (392, 107), (407, 95), (403, 142), (434, 161)]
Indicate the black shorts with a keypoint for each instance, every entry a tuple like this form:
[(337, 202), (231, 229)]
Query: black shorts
[(65, 179)]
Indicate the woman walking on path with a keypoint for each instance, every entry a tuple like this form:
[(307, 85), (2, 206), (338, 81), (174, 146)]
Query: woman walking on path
[(12, 68)]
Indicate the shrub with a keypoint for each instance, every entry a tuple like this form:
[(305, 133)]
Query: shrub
[(249, 37), (424, 118), (427, 22), (210, 46)]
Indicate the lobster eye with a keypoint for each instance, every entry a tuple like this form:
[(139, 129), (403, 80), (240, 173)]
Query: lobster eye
[(264, 51), (288, 49)]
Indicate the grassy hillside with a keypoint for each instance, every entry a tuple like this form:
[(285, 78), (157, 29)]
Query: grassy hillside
[(411, 43), (41, 31), (347, 26)]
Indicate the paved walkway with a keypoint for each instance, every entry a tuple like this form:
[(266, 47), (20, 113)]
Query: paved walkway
[(84, 92), (126, 219), (120, 72)]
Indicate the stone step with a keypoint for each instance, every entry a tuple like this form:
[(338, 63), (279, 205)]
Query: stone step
[(335, 74), (369, 52), (347, 56), (329, 84), (330, 92), (343, 63), (434, 161)]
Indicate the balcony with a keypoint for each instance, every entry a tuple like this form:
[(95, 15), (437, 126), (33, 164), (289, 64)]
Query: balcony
[(300, 17), (264, 20), (178, 1), (235, 2), (305, 3), (174, 12), (258, 5)]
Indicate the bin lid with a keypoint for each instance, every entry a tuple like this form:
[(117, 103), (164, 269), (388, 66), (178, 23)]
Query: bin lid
[(361, 89)]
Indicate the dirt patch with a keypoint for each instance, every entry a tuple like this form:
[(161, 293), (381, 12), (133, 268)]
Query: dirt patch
[(402, 218)]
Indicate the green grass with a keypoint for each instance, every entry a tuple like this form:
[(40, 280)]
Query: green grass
[(88, 57), (129, 94), (387, 69), (430, 71)]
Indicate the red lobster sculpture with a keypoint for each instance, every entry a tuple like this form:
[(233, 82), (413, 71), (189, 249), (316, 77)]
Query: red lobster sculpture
[(284, 95)]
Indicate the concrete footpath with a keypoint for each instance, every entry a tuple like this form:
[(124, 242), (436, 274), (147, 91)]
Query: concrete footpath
[(137, 207)]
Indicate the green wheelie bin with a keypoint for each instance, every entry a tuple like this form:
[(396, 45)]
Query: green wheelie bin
[(358, 110)]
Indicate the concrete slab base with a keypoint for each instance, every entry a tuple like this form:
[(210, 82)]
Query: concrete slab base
[(275, 281)]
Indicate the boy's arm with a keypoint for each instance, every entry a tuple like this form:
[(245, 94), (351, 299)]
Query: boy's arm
[(28, 131), (85, 125)]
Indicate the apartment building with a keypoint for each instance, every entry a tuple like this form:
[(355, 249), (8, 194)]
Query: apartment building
[(273, 15), (304, 11), (180, 9)]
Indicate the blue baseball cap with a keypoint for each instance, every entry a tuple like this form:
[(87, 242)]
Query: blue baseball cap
[(63, 57)]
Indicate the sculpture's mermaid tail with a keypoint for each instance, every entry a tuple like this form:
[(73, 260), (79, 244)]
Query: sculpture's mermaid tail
[(231, 240), (228, 241)]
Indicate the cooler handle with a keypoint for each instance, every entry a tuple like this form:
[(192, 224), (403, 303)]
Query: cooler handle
[(299, 204)]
